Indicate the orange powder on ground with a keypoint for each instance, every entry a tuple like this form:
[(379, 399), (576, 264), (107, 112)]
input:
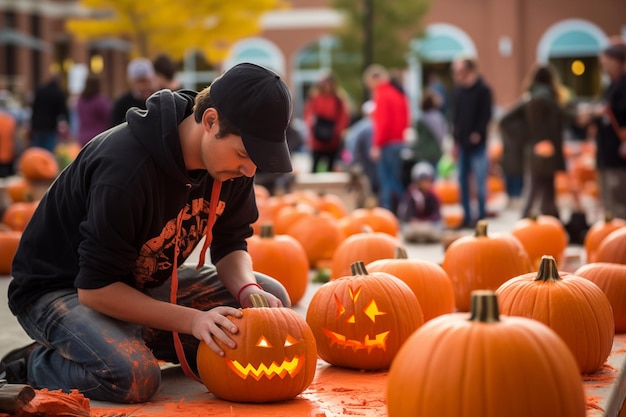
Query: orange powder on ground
[(55, 403)]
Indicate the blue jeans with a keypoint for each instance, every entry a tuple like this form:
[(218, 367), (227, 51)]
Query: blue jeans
[(389, 181), (473, 162), (108, 359), (46, 139)]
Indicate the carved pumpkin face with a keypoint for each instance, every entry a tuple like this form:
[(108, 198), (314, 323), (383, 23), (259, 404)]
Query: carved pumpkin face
[(275, 358), (361, 321)]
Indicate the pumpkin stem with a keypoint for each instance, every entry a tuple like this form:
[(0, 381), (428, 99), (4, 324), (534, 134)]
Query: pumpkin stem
[(534, 216), (358, 268), (267, 230), (548, 270), (366, 228), (259, 301), (370, 203), (608, 216), (484, 307), (401, 253), (481, 228)]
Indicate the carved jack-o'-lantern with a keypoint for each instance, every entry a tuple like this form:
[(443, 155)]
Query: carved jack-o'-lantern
[(360, 321), (275, 357)]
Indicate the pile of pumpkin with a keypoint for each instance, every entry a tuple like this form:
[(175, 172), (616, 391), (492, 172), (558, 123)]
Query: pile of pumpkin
[(497, 323), (36, 165)]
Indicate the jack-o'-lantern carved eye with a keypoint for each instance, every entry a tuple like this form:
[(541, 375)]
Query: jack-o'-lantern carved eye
[(263, 342), (372, 311)]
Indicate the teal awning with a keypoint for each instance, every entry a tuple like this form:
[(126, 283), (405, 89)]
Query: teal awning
[(438, 48), (575, 43)]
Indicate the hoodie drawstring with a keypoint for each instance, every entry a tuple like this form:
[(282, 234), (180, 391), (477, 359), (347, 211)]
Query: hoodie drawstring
[(213, 203)]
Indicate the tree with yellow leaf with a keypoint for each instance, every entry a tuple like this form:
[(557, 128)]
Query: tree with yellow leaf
[(172, 27)]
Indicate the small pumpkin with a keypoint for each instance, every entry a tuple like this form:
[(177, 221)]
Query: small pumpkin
[(598, 231), (448, 191), (17, 215), (541, 235), (319, 234), (613, 247), (484, 365), (480, 261), (379, 219), (574, 307), (611, 278), (361, 320), (275, 358), (290, 214), (429, 282), (19, 190), (38, 164), (9, 240), (333, 204), (366, 246), (281, 257)]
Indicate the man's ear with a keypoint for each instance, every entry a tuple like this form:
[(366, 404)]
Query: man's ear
[(209, 118)]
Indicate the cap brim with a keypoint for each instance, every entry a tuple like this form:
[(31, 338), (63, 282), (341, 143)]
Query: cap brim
[(268, 156)]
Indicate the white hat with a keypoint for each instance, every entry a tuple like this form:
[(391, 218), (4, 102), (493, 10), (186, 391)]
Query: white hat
[(139, 68), (422, 170)]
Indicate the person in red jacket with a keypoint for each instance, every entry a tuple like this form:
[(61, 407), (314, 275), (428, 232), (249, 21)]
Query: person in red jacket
[(326, 115), (390, 120)]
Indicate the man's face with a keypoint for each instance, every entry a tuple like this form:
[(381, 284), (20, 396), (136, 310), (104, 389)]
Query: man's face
[(144, 87), (610, 66), (226, 158), (459, 72)]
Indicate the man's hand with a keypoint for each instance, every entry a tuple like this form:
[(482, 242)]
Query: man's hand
[(214, 323)]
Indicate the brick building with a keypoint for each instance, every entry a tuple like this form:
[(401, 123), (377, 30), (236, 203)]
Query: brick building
[(507, 37)]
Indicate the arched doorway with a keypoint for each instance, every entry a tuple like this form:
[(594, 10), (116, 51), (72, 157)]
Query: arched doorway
[(258, 51), (431, 56), (572, 47)]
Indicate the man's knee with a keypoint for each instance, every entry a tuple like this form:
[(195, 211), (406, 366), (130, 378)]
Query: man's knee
[(137, 382), (274, 287)]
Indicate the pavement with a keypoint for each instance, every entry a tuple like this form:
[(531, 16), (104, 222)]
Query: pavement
[(176, 386)]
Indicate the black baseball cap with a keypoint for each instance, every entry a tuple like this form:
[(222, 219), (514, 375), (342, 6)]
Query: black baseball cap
[(257, 101)]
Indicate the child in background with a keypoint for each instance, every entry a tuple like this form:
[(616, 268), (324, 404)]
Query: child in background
[(419, 209)]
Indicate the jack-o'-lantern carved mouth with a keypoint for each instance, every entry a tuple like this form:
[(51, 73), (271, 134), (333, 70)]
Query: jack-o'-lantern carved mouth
[(287, 367), (379, 341)]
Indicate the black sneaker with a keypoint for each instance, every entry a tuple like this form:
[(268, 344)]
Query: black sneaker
[(13, 364)]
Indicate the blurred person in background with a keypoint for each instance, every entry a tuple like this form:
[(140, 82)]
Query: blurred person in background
[(93, 110), (165, 72), (327, 116), (141, 77), (390, 120), (610, 119), (49, 115), (471, 113), (541, 131), (359, 142), (8, 131)]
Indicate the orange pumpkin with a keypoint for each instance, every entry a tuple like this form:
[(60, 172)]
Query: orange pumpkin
[(281, 257), (361, 320), (611, 278), (275, 358), (541, 235), (290, 214), (261, 192), (447, 190), (598, 231), (9, 240), (479, 261), (379, 219), (613, 247), (319, 234), (17, 215), (332, 204), (484, 365), (19, 190), (366, 246), (574, 307), (428, 280), (38, 164)]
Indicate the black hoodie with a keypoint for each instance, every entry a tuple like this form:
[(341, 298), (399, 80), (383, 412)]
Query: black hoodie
[(112, 214)]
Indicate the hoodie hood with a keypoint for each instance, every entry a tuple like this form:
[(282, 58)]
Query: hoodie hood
[(156, 128)]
